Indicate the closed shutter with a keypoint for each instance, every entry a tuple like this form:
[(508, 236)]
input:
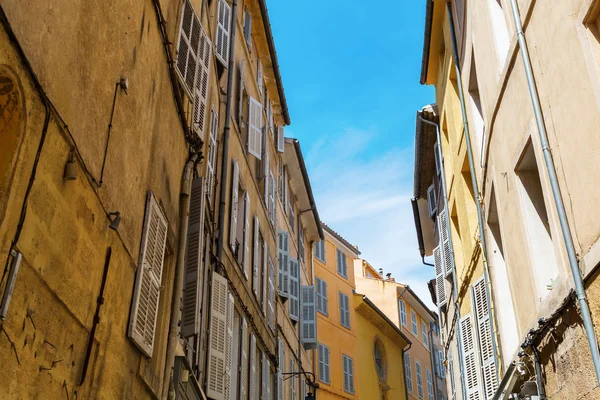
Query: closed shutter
[(280, 370), (451, 372), (469, 358), (212, 153), (255, 127), (188, 46), (408, 372), (271, 295), (301, 242), (223, 26), (227, 379), (309, 318), (271, 120), (344, 310), (484, 334), (348, 368), (244, 361), (440, 280), (256, 258), (294, 282), (219, 339), (235, 183), (322, 305), (419, 379), (192, 293), (246, 262), (283, 257), (280, 139), (265, 279), (272, 198), (259, 78), (201, 89), (146, 295), (445, 236), (265, 377), (266, 173), (293, 379), (253, 388), (248, 28)]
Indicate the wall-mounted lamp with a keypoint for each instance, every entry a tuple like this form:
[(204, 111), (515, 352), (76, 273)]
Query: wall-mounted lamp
[(69, 174), (114, 224)]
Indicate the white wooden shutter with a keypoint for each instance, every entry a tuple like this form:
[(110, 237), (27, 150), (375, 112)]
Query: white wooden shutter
[(326, 364), (265, 279), (218, 340), (223, 26), (445, 239), (272, 198), (201, 88), (146, 294), (192, 293), (309, 318), (266, 173), (227, 379), (440, 280), (271, 295), (248, 28), (470, 359), (293, 379), (283, 257), (451, 373), (246, 247), (188, 46), (294, 306), (281, 369), (484, 334), (255, 258), (254, 127), (244, 361), (271, 120), (266, 378), (253, 388), (235, 183), (280, 139), (212, 153), (259, 78)]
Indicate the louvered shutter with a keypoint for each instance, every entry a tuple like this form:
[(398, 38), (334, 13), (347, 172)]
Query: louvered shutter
[(266, 173), (253, 388), (294, 306), (242, 87), (265, 279), (219, 339), (271, 296), (248, 28), (451, 373), (431, 200), (244, 361), (212, 153), (192, 294), (440, 280), (271, 120), (309, 318), (256, 259), (201, 89), (223, 26), (469, 359), (188, 46), (235, 183), (445, 239), (254, 127), (293, 379), (272, 198), (246, 261), (259, 78), (146, 295), (283, 257), (280, 370), (266, 378), (484, 334), (280, 139), (227, 379)]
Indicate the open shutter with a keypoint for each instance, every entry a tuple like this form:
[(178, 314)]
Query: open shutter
[(438, 161), (283, 257), (235, 183), (431, 200), (244, 361), (254, 127), (241, 93), (271, 120), (271, 296), (253, 388), (247, 261), (440, 280), (212, 153), (201, 89), (272, 198), (280, 370), (223, 26), (188, 46), (294, 307), (265, 279), (445, 236), (469, 358), (266, 173), (219, 339), (255, 258), (280, 139), (266, 378), (227, 379), (248, 28), (146, 295), (309, 318), (484, 334), (192, 294), (259, 78)]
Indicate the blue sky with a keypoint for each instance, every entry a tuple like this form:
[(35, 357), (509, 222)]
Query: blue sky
[(351, 77)]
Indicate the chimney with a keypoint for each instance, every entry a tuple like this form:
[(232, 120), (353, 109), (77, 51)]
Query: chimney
[(381, 271), (388, 276)]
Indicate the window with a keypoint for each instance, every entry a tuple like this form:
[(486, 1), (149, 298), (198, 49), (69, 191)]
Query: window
[(424, 334), (283, 258), (440, 364), (294, 282), (500, 30), (413, 318), (419, 379), (408, 372), (402, 306), (259, 261), (476, 109), (291, 215), (322, 302), (429, 385), (431, 201), (348, 365), (309, 317), (380, 360), (344, 310), (342, 269), (248, 28), (324, 364), (239, 229), (320, 250), (223, 26), (300, 243), (255, 125)]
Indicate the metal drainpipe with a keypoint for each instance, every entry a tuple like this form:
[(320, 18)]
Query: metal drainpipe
[(454, 279), (186, 188), (538, 372), (482, 239), (556, 193)]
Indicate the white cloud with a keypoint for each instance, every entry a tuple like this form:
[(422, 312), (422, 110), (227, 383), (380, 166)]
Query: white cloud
[(364, 192)]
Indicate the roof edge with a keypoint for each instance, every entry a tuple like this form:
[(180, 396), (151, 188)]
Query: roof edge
[(311, 197), (385, 318), (426, 41), (341, 239)]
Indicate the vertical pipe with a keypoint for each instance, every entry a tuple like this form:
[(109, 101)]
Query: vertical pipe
[(556, 193), (454, 278), (482, 239), (538, 373)]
